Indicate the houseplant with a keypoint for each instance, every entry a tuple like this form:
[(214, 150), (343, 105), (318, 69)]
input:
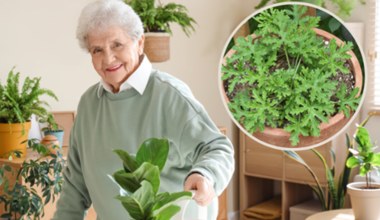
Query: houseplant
[(344, 7), (365, 196), (140, 178), (18, 101), (156, 18), (289, 83), (19, 197), (52, 128)]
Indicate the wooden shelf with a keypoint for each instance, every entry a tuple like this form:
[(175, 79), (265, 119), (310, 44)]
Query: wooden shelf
[(262, 167)]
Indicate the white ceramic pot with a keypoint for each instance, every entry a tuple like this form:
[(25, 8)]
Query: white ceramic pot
[(190, 210), (365, 202)]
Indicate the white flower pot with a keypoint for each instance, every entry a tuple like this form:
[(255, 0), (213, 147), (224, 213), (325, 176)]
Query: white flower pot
[(190, 211), (365, 202)]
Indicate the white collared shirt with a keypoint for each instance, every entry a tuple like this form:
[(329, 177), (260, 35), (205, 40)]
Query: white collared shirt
[(137, 80)]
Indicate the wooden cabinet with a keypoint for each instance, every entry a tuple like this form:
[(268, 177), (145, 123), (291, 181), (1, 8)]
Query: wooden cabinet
[(266, 172)]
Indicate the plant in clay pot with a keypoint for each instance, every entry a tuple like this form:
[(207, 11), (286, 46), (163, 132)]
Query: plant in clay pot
[(52, 128), (156, 18), (365, 196), (140, 178), (291, 84), (18, 101)]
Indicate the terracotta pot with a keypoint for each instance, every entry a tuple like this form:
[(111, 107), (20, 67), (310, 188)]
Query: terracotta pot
[(278, 137), (12, 137), (51, 142), (365, 202), (157, 46)]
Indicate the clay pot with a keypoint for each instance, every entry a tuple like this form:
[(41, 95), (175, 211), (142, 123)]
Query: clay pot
[(278, 137), (365, 202), (51, 142)]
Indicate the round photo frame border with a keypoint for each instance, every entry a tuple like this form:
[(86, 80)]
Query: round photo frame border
[(241, 128)]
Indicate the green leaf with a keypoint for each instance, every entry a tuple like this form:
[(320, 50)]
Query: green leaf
[(363, 139), (145, 196), (352, 162), (133, 207), (129, 161), (154, 151), (148, 172), (167, 198), (168, 212), (127, 181)]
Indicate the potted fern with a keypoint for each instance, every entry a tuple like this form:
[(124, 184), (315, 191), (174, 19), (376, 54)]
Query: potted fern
[(290, 84), (140, 179), (18, 101), (365, 196), (156, 18)]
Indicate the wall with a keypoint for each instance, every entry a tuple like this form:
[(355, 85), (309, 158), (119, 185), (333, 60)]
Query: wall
[(38, 37)]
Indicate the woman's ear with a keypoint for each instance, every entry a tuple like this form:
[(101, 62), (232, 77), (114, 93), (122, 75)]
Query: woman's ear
[(140, 43)]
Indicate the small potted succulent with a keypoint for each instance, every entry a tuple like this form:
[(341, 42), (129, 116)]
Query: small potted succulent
[(156, 18), (140, 178), (290, 84), (365, 196), (18, 101)]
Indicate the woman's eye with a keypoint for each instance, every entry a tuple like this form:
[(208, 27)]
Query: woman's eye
[(117, 45), (96, 50)]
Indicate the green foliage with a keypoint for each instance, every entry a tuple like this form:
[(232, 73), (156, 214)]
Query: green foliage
[(51, 124), (336, 184), (345, 6), (284, 77), (157, 18), (17, 106), (140, 177), (21, 200), (364, 155)]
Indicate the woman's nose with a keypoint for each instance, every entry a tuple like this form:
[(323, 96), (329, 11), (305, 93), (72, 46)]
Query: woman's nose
[(109, 56)]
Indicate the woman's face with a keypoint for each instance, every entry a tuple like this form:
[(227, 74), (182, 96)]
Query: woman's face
[(115, 56)]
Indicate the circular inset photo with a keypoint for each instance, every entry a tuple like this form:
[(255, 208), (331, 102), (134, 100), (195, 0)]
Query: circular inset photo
[(292, 76)]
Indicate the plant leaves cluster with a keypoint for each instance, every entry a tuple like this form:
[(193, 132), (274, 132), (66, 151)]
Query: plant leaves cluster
[(21, 199), (140, 178), (51, 124), (364, 155), (19, 101), (344, 6), (282, 78), (158, 17)]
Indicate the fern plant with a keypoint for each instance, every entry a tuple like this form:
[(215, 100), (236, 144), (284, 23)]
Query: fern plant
[(157, 17), (285, 77), (19, 101)]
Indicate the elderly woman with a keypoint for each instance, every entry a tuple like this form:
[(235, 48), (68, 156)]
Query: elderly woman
[(131, 103)]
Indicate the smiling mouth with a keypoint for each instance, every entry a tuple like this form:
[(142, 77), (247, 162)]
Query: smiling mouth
[(114, 68)]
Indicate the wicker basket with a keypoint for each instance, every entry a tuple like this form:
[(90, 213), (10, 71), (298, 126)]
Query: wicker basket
[(157, 46)]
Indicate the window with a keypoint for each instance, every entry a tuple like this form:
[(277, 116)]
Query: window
[(373, 92)]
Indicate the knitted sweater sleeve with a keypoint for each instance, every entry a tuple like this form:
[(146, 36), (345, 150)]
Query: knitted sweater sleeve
[(74, 198), (211, 152)]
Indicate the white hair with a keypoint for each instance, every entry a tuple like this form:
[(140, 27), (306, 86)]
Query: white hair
[(102, 14)]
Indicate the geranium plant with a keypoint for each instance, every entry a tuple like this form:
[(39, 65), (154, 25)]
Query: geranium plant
[(286, 76), (140, 178)]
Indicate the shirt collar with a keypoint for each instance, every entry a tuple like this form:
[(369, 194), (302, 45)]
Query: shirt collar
[(138, 79)]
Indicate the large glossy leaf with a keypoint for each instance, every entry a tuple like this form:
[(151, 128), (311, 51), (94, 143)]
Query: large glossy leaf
[(150, 173), (168, 212), (133, 207), (154, 151), (145, 196), (129, 161), (363, 139), (127, 181), (163, 199)]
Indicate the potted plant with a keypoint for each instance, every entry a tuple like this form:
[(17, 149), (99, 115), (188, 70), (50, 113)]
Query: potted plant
[(156, 18), (344, 7), (290, 84), (19, 196), (18, 101), (51, 128), (140, 178), (365, 196)]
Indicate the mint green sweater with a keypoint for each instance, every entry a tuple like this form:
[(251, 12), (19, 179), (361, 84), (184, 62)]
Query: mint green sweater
[(106, 121)]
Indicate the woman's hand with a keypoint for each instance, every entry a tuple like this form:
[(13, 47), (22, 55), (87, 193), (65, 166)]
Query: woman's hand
[(204, 191)]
